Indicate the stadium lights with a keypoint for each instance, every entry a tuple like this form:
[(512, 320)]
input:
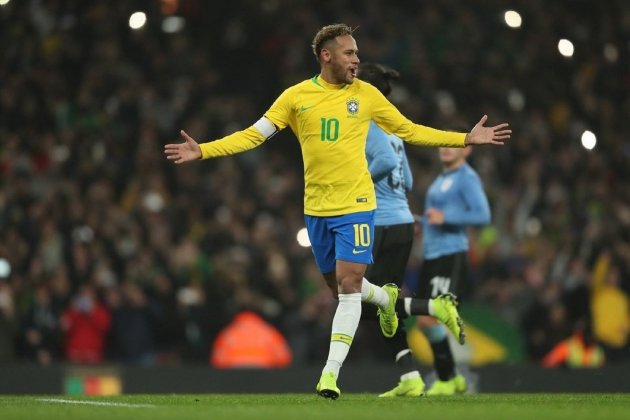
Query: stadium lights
[(5, 267), (302, 238), (566, 47), (173, 24), (512, 19), (137, 20), (589, 140)]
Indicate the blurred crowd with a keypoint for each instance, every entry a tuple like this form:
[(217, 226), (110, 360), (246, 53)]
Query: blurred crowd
[(108, 252)]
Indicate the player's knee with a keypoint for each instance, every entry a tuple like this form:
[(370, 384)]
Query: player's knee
[(349, 287), (350, 277), (350, 283)]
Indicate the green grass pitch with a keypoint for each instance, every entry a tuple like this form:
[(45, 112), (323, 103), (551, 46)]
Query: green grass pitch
[(307, 406)]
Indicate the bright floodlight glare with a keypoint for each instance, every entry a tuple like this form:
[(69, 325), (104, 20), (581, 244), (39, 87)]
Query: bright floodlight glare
[(302, 238), (513, 19), (4, 2), (173, 24), (5, 268), (137, 20), (589, 140), (565, 47)]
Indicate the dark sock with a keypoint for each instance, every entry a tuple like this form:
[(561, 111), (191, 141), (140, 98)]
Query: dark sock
[(400, 309), (397, 344), (417, 307), (444, 363)]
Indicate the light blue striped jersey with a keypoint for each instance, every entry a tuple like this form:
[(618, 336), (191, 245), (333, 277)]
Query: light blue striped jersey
[(391, 174)]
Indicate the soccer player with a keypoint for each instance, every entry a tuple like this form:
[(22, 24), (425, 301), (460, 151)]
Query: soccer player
[(394, 231), (330, 115), (455, 200)]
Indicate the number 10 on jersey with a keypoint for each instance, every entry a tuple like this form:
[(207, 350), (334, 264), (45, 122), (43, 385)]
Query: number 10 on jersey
[(330, 129)]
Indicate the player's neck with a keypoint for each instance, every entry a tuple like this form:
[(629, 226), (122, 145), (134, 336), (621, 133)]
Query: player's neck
[(329, 80), (451, 166)]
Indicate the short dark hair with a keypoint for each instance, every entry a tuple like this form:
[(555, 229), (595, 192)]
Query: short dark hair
[(378, 76), (327, 33)]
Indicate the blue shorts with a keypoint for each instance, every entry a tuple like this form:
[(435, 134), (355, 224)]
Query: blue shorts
[(347, 238)]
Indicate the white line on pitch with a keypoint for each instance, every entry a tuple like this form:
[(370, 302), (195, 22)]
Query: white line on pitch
[(102, 403)]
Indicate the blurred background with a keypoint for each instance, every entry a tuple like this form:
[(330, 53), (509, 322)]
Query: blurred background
[(111, 254)]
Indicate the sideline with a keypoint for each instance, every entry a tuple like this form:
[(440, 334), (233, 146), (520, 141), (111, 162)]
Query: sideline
[(101, 403)]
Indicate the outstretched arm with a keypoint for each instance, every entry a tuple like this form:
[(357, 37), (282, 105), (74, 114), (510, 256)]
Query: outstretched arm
[(488, 135), (183, 152), (232, 144), (386, 116)]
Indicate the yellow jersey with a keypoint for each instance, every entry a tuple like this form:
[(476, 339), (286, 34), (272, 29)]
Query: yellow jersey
[(331, 123)]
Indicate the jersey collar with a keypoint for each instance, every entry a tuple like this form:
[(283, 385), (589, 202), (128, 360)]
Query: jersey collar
[(319, 81)]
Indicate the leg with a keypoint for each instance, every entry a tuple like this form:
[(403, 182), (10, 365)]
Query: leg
[(348, 238), (438, 339), (441, 277), (442, 308), (392, 246), (344, 325), (448, 381), (331, 282)]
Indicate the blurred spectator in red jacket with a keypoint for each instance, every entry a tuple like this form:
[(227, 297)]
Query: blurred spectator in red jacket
[(86, 323)]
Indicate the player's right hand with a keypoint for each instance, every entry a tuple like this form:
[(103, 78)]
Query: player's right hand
[(183, 152)]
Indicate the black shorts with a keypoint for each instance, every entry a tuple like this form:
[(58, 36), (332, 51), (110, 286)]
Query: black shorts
[(392, 246), (444, 274)]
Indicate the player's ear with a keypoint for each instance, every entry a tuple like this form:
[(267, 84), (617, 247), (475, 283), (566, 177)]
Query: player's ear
[(325, 55)]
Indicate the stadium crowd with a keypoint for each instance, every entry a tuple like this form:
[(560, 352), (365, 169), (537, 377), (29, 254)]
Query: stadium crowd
[(110, 253)]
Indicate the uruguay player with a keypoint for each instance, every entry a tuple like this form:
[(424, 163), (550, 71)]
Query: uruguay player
[(394, 231), (455, 200)]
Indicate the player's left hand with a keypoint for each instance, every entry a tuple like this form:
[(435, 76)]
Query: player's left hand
[(434, 216), (488, 135)]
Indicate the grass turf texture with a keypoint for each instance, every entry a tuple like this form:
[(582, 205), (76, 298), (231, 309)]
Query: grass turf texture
[(307, 406)]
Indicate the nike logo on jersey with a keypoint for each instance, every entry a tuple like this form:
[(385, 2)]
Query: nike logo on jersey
[(356, 251), (305, 108)]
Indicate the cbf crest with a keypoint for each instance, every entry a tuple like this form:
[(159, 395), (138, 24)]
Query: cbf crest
[(352, 105)]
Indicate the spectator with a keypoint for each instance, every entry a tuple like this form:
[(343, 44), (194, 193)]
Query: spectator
[(131, 335), (85, 323), (40, 328)]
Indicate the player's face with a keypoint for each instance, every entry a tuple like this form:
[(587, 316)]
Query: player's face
[(344, 60), (452, 157)]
